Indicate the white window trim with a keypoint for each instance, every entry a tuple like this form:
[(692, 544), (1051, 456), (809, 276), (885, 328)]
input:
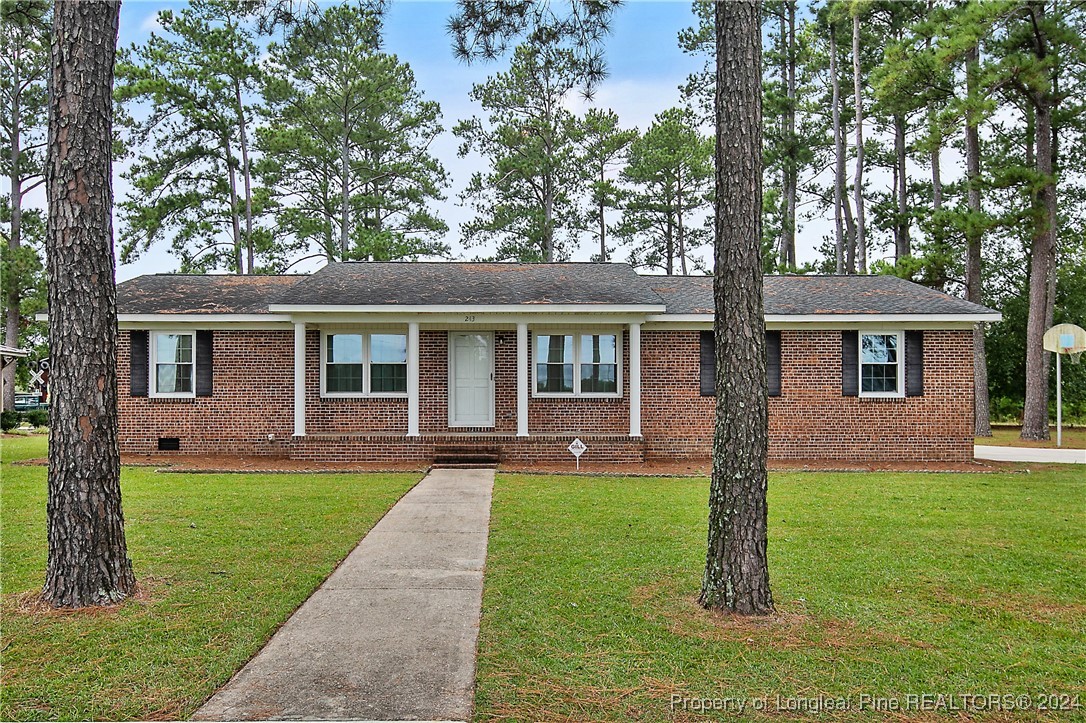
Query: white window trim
[(152, 371), (365, 393), (576, 393), (900, 393)]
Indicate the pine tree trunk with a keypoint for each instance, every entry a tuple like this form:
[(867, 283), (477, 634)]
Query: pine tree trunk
[(791, 159), (11, 313), (548, 222), (602, 219), (235, 222), (1035, 414), (839, 151), (974, 280), (88, 560), (246, 174), (344, 192), (902, 245), (861, 226), (679, 228), (736, 567), (850, 236)]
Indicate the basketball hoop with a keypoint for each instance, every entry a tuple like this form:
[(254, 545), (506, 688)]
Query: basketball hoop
[(1066, 340)]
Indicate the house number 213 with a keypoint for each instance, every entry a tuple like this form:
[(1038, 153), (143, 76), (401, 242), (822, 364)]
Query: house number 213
[(469, 317)]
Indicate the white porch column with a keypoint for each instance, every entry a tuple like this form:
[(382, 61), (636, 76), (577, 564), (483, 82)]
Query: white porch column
[(635, 380), (413, 379), (299, 379), (522, 380)]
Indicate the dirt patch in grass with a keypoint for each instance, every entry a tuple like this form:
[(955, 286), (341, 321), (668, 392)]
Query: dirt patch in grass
[(148, 590), (791, 628), (1034, 608)]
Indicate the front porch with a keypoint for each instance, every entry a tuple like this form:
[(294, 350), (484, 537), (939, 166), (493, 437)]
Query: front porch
[(465, 377), (533, 449)]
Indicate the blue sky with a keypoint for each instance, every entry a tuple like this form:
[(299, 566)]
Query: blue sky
[(645, 65)]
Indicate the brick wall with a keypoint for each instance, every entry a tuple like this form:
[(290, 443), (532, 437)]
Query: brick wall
[(253, 398), (811, 420)]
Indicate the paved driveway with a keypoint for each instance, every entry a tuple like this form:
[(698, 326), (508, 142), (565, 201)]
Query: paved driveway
[(1029, 454), (391, 634)]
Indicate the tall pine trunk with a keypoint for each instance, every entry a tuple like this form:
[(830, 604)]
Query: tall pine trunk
[(791, 162), (11, 312), (736, 567), (1042, 250), (974, 280), (235, 221), (902, 244), (88, 559), (246, 175), (839, 152), (1043, 246), (861, 226)]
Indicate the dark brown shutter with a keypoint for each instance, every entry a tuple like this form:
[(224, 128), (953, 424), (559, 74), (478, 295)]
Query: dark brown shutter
[(140, 359), (204, 363), (914, 364), (773, 362), (708, 364), (850, 360)]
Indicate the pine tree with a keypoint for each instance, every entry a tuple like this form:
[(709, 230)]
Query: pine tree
[(193, 181), (669, 172), (347, 144), (525, 202), (604, 147)]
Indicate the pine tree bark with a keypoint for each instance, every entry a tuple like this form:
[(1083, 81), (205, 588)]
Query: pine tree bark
[(791, 167), (858, 99), (88, 559), (11, 312), (974, 281), (902, 243), (1042, 248), (1035, 414), (736, 568), (839, 152)]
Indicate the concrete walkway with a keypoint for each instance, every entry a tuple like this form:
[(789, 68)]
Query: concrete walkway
[(1029, 454), (391, 634)]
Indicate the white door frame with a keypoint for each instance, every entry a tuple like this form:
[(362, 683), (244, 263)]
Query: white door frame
[(489, 335)]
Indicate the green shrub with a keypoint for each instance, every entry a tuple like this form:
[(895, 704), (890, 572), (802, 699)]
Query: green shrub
[(10, 420), (38, 417)]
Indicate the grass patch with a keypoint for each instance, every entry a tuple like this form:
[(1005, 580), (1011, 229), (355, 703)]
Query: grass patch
[(885, 584), (222, 561), (1073, 438)]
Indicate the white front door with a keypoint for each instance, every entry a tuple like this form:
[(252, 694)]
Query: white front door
[(471, 379)]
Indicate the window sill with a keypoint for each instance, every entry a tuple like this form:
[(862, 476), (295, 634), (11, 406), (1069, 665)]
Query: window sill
[(398, 395), (171, 400)]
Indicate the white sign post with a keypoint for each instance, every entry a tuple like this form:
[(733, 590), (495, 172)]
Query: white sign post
[(577, 447)]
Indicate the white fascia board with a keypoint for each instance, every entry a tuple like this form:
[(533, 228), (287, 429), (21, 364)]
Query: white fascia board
[(535, 309), (836, 319)]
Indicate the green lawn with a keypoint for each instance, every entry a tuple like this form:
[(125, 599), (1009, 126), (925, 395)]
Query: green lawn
[(1073, 438), (886, 584), (223, 560)]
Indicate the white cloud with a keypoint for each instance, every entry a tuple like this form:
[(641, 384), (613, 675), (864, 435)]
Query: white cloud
[(151, 22)]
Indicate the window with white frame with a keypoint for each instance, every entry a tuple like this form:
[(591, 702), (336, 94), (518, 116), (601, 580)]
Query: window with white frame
[(173, 361), (577, 365), (357, 364), (882, 360)]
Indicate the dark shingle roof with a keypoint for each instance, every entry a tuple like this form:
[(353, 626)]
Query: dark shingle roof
[(457, 284), (189, 294), (486, 284), (829, 295)]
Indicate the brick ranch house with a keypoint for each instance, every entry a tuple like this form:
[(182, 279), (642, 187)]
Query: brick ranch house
[(398, 361)]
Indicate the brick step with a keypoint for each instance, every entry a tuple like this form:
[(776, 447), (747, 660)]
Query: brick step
[(466, 454), (464, 465)]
